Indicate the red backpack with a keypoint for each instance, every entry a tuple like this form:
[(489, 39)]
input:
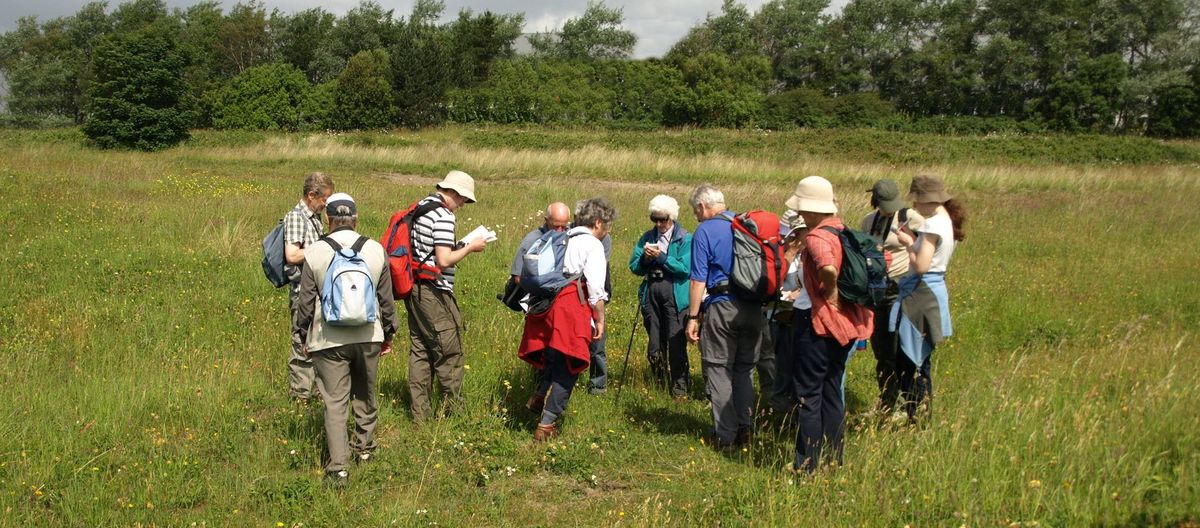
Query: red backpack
[(758, 263), (397, 242)]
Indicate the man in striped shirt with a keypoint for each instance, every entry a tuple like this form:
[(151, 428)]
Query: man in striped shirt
[(434, 321)]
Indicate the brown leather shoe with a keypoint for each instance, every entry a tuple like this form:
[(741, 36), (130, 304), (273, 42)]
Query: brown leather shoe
[(536, 401), (545, 432)]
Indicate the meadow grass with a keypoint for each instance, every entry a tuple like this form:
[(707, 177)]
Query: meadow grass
[(145, 375)]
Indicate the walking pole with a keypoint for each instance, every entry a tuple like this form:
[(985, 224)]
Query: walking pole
[(625, 367)]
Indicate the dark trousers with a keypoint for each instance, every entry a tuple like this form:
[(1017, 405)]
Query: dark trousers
[(556, 383), (819, 368), (666, 346), (883, 344), (916, 385), (784, 398), (598, 369)]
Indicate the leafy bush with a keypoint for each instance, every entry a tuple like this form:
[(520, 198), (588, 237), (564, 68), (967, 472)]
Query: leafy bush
[(135, 101), (567, 92), (363, 97), (1176, 112), (270, 97), (861, 109), (804, 107), (720, 91)]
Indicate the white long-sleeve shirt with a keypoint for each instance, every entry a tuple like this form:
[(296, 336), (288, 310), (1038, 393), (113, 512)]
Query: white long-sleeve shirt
[(585, 254)]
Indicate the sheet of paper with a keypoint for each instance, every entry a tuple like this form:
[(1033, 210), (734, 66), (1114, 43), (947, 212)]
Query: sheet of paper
[(485, 233)]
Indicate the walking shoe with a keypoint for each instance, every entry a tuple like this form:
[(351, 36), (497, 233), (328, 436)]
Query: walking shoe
[(545, 432), (744, 436), (365, 457), (596, 391), (536, 401), (337, 479)]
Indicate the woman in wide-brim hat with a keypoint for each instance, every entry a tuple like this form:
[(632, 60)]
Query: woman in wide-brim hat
[(921, 315)]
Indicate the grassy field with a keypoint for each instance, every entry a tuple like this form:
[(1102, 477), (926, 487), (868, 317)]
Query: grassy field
[(144, 377)]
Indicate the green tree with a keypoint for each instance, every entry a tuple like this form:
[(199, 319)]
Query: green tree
[(422, 67), (269, 97), (363, 98), (789, 33), (478, 41), (597, 34), (135, 101), (299, 38), (243, 41), (730, 34)]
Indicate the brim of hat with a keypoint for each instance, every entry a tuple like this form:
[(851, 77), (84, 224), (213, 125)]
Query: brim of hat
[(470, 196), (928, 197), (891, 206), (810, 205)]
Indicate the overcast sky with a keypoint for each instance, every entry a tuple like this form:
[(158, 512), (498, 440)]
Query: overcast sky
[(657, 23)]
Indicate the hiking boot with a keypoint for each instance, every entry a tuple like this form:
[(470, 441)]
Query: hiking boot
[(365, 457), (536, 401), (337, 479), (545, 432)]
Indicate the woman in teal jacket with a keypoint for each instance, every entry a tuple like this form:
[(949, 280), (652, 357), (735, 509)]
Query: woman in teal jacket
[(663, 256)]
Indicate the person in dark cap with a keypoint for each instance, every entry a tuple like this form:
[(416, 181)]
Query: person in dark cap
[(345, 358), (884, 224)]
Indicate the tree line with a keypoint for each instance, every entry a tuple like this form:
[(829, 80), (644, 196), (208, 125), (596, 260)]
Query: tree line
[(949, 66)]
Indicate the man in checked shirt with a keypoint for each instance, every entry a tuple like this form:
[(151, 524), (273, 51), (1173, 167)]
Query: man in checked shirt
[(301, 227)]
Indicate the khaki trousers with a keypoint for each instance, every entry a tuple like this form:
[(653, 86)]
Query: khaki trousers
[(436, 351), (348, 373), (300, 368)]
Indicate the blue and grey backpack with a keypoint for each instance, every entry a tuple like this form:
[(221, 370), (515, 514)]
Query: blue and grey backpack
[(348, 293), (542, 266)]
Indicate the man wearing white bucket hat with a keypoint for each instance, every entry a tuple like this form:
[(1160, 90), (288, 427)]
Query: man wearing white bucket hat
[(824, 335), (434, 321)]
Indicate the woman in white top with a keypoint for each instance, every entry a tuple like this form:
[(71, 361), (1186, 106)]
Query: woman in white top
[(921, 315), (556, 341)]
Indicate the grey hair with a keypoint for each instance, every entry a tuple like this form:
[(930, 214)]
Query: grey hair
[(336, 221), (317, 182), (592, 209), (706, 194), (664, 205)]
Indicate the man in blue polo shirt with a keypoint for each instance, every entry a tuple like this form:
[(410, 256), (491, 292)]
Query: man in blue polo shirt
[(730, 331)]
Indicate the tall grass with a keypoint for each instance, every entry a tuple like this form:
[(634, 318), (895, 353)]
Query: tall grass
[(145, 379)]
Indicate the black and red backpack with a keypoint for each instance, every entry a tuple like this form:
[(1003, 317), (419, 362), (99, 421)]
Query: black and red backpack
[(397, 242)]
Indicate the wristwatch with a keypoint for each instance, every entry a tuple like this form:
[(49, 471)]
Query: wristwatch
[(693, 317)]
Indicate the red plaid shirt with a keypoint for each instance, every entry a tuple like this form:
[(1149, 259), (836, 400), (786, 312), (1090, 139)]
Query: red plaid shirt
[(851, 322)]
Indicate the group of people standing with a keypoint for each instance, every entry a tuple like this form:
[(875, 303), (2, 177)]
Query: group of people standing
[(800, 343)]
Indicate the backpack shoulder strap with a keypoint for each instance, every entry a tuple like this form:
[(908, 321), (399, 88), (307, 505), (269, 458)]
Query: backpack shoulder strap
[(358, 244), (833, 230), (903, 215), (332, 243)]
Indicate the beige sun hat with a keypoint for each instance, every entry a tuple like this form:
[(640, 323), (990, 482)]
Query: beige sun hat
[(814, 194), (461, 183), (928, 188)]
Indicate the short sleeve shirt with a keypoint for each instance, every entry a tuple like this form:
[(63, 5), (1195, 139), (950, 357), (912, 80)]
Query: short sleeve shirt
[(434, 229), (943, 227), (712, 254), (301, 227)]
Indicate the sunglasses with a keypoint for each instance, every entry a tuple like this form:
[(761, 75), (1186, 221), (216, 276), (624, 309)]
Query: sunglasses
[(657, 219)]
